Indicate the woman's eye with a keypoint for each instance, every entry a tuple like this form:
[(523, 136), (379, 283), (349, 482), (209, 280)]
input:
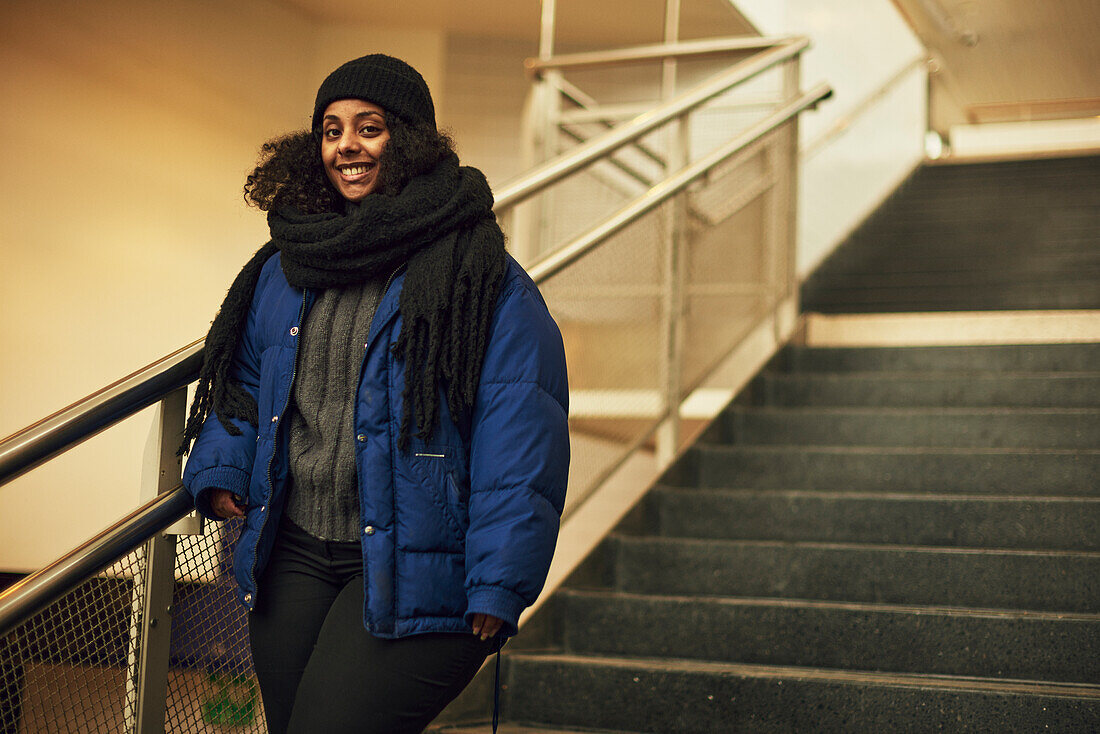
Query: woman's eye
[(370, 130), (332, 133)]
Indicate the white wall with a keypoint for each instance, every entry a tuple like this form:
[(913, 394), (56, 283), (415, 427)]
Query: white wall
[(486, 89), (126, 130), (1025, 138), (858, 45)]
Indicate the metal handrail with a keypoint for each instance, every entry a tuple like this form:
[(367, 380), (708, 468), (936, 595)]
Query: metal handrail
[(578, 97), (558, 168), (559, 259), (70, 426), (861, 107), (25, 598), (655, 52)]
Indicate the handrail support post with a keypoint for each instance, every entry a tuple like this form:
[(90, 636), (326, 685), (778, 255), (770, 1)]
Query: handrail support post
[(149, 667), (676, 252), (792, 72), (672, 35)]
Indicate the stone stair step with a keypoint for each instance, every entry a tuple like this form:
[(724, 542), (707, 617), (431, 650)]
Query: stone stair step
[(1055, 581), (1013, 472), (984, 218), (1035, 646), (1035, 428), (1013, 358), (1017, 223), (909, 248), (926, 389), (842, 309), (699, 697), (976, 227), (1034, 523), (1070, 293), (937, 273), (519, 729)]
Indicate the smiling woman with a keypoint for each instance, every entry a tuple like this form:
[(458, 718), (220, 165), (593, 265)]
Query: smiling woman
[(353, 136), (364, 385), (291, 170)]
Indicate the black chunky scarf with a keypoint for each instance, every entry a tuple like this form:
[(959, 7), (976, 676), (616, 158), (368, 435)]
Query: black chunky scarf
[(441, 226)]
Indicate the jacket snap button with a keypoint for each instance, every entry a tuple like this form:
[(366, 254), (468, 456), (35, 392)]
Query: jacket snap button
[(248, 598), (274, 419), (361, 438), (369, 530), (294, 331)]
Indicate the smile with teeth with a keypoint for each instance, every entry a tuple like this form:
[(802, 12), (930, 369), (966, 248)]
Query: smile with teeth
[(354, 169)]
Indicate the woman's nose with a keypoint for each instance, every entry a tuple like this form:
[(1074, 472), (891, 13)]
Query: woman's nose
[(349, 144)]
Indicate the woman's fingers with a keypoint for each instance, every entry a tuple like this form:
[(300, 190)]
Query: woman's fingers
[(485, 626), (223, 505)]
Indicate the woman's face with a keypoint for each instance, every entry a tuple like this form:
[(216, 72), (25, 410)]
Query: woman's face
[(353, 133)]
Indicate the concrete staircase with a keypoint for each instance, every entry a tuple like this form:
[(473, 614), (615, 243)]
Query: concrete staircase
[(960, 237), (868, 540)]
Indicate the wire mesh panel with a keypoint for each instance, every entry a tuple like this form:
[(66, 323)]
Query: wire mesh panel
[(609, 307), (72, 667), (594, 98), (69, 668), (585, 199), (211, 685), (735, 258), (736, 109), (652, 309)]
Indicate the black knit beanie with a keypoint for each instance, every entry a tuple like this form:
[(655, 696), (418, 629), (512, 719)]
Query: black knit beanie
[(389, 83)]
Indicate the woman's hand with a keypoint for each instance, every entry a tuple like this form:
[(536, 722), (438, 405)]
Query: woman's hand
[(225, 504), (486, 626)]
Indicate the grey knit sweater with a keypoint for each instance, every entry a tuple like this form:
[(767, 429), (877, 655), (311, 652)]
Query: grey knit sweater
[(323, 495)]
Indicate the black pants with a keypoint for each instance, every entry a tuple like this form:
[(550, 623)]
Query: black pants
[(320, 671)]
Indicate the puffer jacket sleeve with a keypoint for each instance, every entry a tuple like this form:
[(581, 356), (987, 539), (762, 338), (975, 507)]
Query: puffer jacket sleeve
[(218, 459), (519, 458)]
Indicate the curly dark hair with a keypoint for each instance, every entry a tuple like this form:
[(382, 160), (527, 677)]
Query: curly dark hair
[(290, 171)]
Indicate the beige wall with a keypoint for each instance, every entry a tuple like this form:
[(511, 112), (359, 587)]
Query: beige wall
[(486, 88), (126, 129)]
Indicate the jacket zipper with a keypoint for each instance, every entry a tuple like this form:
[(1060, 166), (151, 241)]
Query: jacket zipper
[(274, 448), (385, 288), (358, 483)]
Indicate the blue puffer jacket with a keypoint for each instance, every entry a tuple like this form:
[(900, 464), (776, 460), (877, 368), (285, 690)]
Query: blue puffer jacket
[(464, 524)]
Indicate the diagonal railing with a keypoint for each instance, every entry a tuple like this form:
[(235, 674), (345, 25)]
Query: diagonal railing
[(146, 602), (76, 423), (555, 170)]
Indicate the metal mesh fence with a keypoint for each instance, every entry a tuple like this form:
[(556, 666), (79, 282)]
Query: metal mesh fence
[(588, 197), (614, 305), (609, 306), (69, 668), (72, 667), (211, 686), (736, 259), (565, 210)]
